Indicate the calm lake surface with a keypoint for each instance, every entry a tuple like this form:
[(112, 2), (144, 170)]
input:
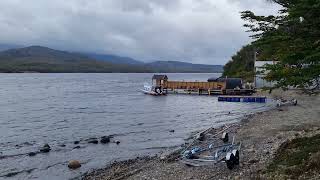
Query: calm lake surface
[(59, 109)]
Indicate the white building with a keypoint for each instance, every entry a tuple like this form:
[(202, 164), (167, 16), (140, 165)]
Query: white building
[(260, 73)]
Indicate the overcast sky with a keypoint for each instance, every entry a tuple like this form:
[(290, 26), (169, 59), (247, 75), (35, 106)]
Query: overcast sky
[(197, 31)]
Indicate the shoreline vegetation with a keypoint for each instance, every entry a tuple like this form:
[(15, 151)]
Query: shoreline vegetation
[(276, 144)]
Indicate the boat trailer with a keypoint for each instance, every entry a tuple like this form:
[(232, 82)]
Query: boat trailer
[(221, 150)]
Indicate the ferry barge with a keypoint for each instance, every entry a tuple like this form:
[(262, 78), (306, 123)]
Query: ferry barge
[(214, 86)]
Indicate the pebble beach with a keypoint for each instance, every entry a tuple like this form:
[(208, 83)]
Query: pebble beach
[(260, 134)]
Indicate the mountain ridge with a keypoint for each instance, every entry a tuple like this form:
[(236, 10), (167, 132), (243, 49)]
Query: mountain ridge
[(44, 59)]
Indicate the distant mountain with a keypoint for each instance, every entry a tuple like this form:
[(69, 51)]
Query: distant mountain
[(46, 60), (43, 59), (114, 59), (4, 47), (159, 66), (177, 66)]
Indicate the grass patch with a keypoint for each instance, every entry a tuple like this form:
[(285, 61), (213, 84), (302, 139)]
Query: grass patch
[(296, 157)]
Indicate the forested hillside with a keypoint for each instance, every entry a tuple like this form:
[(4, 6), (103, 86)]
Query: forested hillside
[(241, 64), (183, 67)]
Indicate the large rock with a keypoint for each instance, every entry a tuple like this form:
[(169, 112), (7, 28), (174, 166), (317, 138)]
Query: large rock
[(32, 154), (105, 139), (45, 149), (93, 141), (77, 147), (74, 164)]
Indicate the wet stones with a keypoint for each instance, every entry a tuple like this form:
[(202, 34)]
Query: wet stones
[(93, 141), (77, 147), (32, 154), (74, 164), (105, 139), (45, 149), (200, 137)]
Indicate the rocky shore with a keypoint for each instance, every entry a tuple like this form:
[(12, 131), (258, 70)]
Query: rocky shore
[(261, 136)]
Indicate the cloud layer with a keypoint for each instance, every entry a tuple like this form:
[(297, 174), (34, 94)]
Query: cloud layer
[(198, 31)]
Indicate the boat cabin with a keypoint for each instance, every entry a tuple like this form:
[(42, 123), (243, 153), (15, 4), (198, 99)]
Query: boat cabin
[(159, 80)]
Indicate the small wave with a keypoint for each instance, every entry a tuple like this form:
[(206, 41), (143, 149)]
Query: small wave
[(160, 147), (14, 173), (12, 156), (128, 133)]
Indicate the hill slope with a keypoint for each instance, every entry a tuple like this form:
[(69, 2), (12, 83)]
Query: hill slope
[(114, 59), (177, 66), (241, 64), (46, 60), (160, 66), (4, 47)]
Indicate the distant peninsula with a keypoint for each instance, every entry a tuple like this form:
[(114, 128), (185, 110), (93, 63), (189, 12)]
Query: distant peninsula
[(45, 60)]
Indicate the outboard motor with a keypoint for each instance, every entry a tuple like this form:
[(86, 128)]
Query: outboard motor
[(158, 90)]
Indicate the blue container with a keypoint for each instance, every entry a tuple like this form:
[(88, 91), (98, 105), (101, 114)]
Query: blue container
[(263, 100), (236, 99)]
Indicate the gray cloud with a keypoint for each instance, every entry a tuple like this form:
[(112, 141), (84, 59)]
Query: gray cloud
[(198, 31)]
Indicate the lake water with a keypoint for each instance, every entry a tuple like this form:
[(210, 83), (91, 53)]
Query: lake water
[(59, 109)]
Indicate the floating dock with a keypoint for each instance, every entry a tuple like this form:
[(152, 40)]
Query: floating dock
[(256, 99)]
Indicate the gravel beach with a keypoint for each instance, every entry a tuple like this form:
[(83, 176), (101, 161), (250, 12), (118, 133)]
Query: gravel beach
[(261, 135)]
